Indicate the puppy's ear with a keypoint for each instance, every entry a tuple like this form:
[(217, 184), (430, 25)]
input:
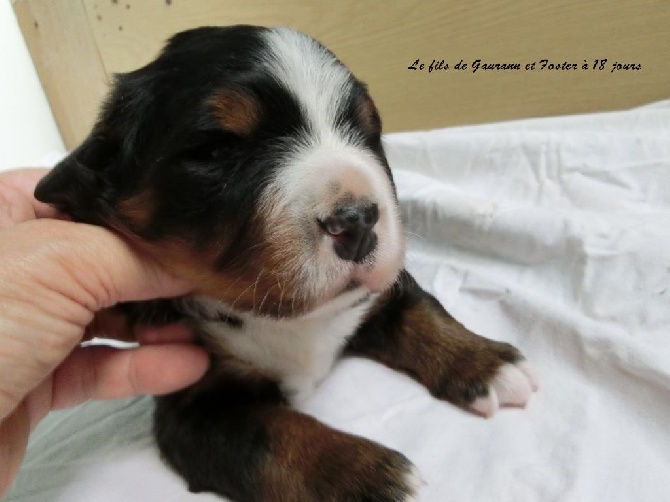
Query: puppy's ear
[(78, 185)]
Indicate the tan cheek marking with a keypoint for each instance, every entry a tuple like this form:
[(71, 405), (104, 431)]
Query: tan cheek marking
[(237, 111), (267, 281), (255, 287)]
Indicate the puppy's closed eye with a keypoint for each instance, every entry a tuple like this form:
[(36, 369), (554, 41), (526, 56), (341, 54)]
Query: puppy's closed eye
[(212, 146)]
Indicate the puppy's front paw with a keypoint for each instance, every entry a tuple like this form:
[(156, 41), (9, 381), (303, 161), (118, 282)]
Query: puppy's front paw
[(414, 482), (390, 478), (512, 385), (367, 471), (482, 375)]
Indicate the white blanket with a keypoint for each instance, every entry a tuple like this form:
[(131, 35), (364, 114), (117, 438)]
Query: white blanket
[(552, 234)]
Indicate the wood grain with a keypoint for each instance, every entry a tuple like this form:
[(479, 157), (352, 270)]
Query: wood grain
[(66, 56), (380, 39)]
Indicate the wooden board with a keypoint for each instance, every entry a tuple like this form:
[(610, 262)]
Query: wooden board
[(69, 66), (77, 44)]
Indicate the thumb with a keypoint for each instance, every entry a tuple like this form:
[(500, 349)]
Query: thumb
[(89, 265), (55, 276)]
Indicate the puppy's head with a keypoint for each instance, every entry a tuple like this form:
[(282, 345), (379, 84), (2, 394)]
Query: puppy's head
[(248, 160)]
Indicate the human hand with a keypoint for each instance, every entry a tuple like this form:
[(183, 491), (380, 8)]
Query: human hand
[(57, 282)]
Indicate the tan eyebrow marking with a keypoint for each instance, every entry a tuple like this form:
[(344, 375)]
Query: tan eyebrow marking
[(238, 111)]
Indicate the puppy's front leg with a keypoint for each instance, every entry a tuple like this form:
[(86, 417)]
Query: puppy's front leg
[(408, 330), (237, 437)]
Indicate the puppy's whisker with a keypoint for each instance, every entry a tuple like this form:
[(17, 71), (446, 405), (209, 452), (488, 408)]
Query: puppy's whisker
[(265, 297), (293, 305), (241, 295), (256, 286), (281, 297), (267, 293), (248, 250), (222, 297)]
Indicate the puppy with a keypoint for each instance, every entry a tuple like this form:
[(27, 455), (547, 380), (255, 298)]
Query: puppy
[(249, 160)]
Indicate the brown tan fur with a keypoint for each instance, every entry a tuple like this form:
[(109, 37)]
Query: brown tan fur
[(238, 111), (308, 460), (410, 331)]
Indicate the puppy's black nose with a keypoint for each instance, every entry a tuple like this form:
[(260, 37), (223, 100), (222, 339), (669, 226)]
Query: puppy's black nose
[(350, 227)]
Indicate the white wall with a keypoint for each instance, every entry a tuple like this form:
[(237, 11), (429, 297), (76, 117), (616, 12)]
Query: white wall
[(28, 133)]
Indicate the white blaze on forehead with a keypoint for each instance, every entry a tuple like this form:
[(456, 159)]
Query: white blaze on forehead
[(323, 155), (321, 86), (314, 77)]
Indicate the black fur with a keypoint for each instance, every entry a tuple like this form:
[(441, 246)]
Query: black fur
[(218, 423)]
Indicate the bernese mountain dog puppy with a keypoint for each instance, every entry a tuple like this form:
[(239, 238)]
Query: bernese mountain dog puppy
[(250, 160)]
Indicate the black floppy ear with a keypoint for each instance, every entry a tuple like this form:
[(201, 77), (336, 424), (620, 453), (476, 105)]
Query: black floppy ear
[(78, 185)]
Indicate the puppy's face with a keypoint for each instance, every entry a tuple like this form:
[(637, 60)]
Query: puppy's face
[(248, 160)]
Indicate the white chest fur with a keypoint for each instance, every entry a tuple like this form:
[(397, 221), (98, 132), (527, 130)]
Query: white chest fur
[(299, 352)]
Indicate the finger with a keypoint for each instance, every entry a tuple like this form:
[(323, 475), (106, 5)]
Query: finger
[(89, 265), (24, 181), (14, 207), (107, 373)]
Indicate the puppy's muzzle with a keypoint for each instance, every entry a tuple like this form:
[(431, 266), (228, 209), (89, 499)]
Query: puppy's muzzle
[(351, 228)]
